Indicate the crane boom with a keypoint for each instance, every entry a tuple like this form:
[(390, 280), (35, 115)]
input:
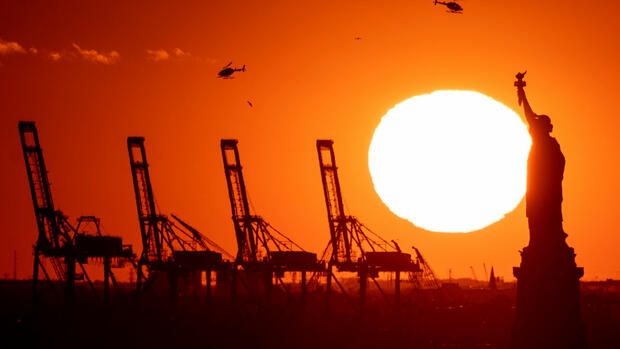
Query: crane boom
[(340, 237), (245, 223), (149, 228), (51, 232), (62, 244), (55, 233), (473, 272), (352, 242), (257, 240), (354, 247), (166, 247)]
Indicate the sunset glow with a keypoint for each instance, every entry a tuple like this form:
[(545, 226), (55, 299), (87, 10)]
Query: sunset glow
[(450, 161)]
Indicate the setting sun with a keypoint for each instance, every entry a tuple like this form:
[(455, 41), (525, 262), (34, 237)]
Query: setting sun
[(450, 161)]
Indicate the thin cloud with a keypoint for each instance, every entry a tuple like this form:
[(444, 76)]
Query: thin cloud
[(157, 55), (180, 53), (55, 56), (9, 47), (175, 54), (96, 57)]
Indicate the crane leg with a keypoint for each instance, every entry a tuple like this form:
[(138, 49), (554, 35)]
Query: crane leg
[(138, 280), (328, 287), (70, 279), (363, 285), (268, 286), (303, 288), (118, 289), (208, 286), (233, 286), (397, 291), (173, 279), (35, 277), (106, 280)]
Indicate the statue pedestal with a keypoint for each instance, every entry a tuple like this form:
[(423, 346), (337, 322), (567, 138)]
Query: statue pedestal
[(548, 313)]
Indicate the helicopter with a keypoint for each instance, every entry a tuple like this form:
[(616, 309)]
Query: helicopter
[(227, 71), (452, 6)]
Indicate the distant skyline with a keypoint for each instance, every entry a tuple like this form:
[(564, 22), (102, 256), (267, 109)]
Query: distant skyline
[(90, 76)]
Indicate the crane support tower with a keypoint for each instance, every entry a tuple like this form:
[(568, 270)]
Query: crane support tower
[(352, 246), (260, 247), (169, 247), (58, 241)]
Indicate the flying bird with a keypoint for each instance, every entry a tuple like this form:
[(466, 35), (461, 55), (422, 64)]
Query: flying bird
[(250, 104)]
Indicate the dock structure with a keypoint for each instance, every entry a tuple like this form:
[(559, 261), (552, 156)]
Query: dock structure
[(353, 247), (59, 243), (261, 248), (170, 247)]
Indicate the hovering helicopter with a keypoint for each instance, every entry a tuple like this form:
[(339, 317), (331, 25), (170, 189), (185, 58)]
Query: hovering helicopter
[(452, 6), (227, 71)]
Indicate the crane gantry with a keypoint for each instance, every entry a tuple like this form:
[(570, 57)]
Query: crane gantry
[(58, 241), (177, 250), (260, 247), (353, 247)]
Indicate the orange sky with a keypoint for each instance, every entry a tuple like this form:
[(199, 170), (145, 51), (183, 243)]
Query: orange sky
[(307, 78)]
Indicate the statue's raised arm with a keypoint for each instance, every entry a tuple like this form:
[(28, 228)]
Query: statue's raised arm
[(529, 113)]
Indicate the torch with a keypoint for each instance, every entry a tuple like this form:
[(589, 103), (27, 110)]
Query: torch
[(520, 84)]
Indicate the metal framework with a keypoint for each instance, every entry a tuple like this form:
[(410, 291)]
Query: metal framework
[(260, 247), (351, 242), (167, 246), (353, 247), (55, 233), (427, 278), (58, 240)]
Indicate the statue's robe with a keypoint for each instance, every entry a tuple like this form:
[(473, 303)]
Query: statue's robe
[(545, 171)]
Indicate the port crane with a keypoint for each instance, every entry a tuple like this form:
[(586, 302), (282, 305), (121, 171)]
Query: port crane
[(427, 278), (170, 247), (353, 247), (260, 247), (59, 243)]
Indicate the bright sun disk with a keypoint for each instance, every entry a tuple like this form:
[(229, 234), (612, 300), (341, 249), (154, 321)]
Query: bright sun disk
[(450, 161)]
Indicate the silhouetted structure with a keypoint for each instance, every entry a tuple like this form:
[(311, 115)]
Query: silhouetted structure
[(167, 248), (451, 6), (426, 278), (260, 247), (548, 311), (227, 71), (353, 247), (492, 280), (63, 245)]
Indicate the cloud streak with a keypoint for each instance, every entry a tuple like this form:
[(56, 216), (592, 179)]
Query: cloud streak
[(157, 55), (163, 55), (180, 53), (96, 57), (10, 47), (55, 56)]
